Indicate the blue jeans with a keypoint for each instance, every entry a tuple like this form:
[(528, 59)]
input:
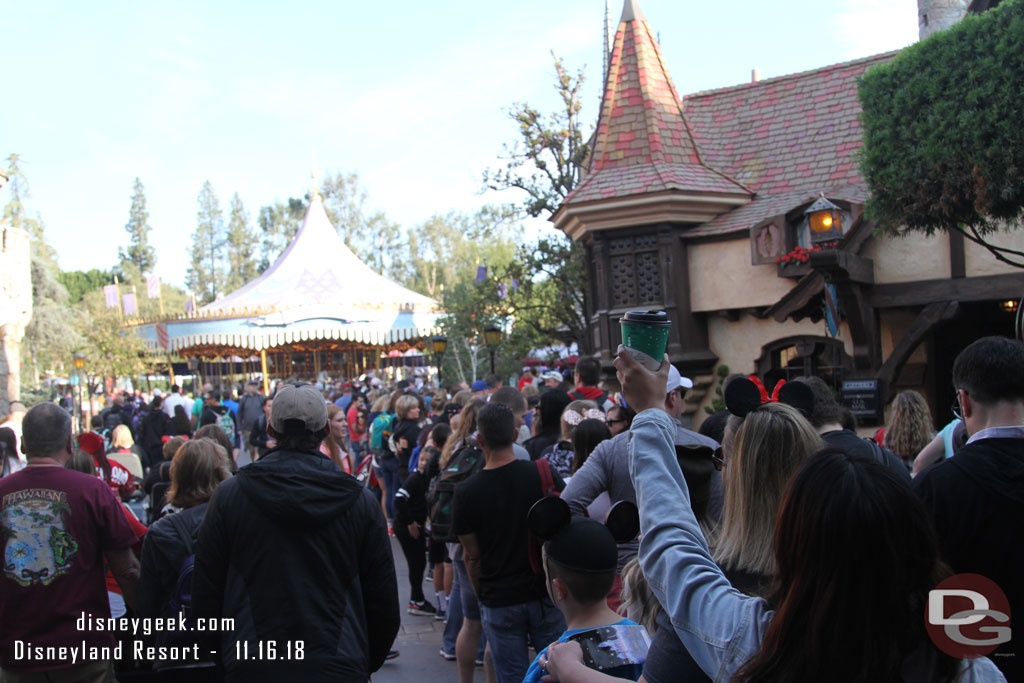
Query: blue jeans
[(388, 472), (453, 619), (510, 629)]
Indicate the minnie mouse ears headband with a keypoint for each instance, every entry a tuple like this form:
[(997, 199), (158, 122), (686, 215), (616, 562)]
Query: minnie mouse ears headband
[(745, 394), (582, 544), (573, 418)]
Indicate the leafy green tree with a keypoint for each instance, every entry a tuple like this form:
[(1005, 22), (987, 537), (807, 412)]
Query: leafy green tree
[(241, 246), (206, 275), (943, 132), (111, 351), (80, 282), (139, 251), (545, 164)]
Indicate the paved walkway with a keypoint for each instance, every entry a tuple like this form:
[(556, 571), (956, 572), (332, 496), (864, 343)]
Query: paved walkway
[(419, 639)]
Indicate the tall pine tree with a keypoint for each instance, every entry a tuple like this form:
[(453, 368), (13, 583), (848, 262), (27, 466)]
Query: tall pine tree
[(206, 271), (139, 252), (241, 247)]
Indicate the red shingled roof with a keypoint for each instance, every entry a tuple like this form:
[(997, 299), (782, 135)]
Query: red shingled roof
[(796, 132), (785, 139), (643, 142)]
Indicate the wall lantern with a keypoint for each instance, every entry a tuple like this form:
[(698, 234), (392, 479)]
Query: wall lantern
[(825, 221)]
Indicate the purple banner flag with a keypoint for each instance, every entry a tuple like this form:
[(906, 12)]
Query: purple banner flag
[(110, 292), (129, 304), (503, 291), (153, 286), (481, 274), (188, 306)]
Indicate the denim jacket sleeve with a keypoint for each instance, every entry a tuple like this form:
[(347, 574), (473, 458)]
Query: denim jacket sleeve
[(720, 626)]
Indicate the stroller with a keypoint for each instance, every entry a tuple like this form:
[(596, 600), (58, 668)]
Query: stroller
[(366, 476)]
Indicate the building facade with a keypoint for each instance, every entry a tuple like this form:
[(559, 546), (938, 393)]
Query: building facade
[(705, 206)]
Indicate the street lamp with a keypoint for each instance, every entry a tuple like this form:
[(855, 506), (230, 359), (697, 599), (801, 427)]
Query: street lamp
[(439, 345), (78, 361), (492, 337)]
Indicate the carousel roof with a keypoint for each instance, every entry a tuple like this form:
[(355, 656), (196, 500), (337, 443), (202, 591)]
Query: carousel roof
[(316, 290), (319, 269)]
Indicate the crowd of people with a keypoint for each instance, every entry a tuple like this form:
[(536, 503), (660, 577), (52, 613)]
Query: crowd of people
[(554, 514)]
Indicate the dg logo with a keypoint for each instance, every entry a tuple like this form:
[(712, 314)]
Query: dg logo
[(968, 616)]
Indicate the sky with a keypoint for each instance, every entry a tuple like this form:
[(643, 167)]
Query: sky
[(411, 96)]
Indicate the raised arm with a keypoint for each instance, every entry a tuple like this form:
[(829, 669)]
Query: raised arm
[(719, 626)]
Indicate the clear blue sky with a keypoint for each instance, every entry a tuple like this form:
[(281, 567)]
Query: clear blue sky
[(411, 96)]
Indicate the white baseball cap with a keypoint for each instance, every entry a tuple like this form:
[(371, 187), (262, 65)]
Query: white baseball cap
[(675, 380)]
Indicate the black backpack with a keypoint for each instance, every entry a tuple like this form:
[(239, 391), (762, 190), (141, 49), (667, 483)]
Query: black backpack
[(467, 461), (181, 599)]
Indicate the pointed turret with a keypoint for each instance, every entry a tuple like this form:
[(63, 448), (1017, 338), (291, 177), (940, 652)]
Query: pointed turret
[(643, 143)]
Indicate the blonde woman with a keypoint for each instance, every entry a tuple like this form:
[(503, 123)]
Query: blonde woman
[(125, 452), (761, 455), (910, 428)]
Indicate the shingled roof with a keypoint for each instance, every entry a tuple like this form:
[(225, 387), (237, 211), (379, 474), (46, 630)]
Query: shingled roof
[(794, 132), (776, 141), (643, 142)]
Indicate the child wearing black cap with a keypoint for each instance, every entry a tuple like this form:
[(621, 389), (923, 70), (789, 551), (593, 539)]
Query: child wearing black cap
[(579, 559)]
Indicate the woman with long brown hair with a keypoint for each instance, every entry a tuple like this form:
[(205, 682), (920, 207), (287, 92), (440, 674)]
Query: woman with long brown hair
[(197, 469), (333, 444), (856, 558)]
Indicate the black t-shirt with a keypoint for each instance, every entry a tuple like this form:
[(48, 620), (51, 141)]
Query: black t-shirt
[(493, 505)]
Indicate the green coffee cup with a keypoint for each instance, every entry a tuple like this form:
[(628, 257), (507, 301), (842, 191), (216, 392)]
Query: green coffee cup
[(645, 336)]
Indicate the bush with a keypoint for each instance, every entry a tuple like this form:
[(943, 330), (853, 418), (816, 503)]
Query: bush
[(943, 128)]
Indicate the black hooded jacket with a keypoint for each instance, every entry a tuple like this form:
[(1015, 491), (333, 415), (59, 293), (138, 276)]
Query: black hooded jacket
[(296, 550)]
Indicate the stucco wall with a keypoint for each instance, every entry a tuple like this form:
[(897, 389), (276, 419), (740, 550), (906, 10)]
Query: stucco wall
[(912, 258), (721, 277), (979, 261)]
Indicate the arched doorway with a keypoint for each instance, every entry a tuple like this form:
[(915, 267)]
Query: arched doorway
[(804, 355)]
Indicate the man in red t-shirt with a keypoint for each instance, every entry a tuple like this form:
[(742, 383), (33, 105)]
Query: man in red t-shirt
[(58, 526)]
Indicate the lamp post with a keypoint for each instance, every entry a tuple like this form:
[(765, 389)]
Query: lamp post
[(79, 362), (439, 345), (492, 337)]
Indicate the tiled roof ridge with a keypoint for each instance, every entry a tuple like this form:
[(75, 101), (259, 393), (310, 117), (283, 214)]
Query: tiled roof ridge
[(678, 100), (881, 56)]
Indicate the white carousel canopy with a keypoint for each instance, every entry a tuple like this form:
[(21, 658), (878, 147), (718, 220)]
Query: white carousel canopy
[(318, 269), (317, 289)]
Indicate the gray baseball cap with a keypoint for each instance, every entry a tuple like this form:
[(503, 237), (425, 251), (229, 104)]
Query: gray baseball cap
[(297, 408)]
